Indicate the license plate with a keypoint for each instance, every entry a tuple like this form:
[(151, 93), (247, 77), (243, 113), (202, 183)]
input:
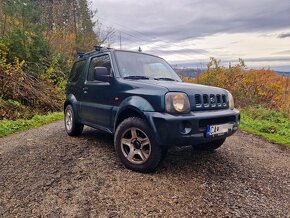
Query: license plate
[(218, 130)]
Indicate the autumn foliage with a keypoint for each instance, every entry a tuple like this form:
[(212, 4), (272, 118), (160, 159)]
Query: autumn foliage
[(39, 41), (22, 93), (250, 87)]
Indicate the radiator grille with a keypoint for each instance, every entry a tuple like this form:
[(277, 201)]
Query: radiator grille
[(198, 102), (210, 101)]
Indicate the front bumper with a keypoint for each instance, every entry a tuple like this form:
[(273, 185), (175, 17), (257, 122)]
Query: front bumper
[(190, 129)]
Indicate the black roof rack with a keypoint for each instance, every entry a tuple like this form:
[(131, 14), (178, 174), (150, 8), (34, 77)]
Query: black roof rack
[(80, 54), (98, 49)]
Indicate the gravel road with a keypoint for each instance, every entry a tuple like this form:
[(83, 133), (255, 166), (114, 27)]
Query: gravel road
[(45, 173)]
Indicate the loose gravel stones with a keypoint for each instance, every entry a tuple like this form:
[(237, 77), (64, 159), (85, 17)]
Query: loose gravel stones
[(45, 173)]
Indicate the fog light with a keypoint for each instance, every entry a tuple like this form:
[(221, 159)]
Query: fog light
[(185, 127)]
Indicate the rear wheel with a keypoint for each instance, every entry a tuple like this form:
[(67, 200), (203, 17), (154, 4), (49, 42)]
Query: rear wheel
[(136, 147), (71, 126), (209, 146)]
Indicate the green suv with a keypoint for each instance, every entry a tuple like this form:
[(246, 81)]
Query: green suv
[(139, 99)]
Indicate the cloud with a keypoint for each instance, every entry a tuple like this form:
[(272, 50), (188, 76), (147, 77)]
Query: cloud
[(284, 35), (171, 28), (226, 61), (180, 20), (177, 51), (287, 52), (268, 59)]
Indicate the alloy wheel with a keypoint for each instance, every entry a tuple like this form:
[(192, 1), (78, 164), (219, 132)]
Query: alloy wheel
[(68, 120), (135, 146)]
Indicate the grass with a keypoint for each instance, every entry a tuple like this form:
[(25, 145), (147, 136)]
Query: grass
[(273, 125), (11, 126)]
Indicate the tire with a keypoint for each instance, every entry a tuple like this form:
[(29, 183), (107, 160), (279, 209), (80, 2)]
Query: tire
[(136, 147), (211, 146), (71, 126), (164, 152)]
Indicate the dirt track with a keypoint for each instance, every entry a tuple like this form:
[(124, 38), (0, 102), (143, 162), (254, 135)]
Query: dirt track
[(44, 172)]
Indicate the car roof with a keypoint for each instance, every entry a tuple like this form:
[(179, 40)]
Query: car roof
[(101, 50)]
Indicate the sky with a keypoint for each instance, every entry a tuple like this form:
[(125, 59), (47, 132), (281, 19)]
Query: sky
[(189, 32)]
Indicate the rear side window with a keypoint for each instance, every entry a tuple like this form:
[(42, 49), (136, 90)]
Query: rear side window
[(77, 70), (100, 61)]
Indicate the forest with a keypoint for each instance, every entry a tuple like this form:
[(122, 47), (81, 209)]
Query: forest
[(39, 40)]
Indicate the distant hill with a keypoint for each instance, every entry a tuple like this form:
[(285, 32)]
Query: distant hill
[(188, 72), (192, 72), (283, 73)]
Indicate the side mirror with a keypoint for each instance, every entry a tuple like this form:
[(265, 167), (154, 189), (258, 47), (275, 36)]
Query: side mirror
[(102, 74)]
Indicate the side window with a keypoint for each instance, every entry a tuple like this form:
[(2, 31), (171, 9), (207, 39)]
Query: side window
[(101, 61), (77, 70)]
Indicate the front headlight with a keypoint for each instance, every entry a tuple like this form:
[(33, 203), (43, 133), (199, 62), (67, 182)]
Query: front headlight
[(177, 102), (231, 101)]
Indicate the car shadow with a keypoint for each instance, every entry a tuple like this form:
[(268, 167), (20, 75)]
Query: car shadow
[(177, 158), (219, 164), (91, 134)]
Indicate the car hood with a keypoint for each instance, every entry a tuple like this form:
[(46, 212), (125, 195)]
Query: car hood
[(188, 88), (154, 91)]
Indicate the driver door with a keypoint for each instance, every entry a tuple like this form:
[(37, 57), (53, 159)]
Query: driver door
[(97, 103)]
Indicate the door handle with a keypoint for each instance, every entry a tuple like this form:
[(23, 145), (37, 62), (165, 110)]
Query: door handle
[(85, 89)]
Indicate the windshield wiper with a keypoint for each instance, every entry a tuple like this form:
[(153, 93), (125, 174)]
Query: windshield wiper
[(165, 78), (136, 77)]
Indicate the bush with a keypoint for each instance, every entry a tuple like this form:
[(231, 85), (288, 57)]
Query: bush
[(19, 90), (29, 91), (249, 87), (10, 109)]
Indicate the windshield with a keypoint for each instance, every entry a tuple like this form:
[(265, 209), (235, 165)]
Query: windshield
[(134, 65)]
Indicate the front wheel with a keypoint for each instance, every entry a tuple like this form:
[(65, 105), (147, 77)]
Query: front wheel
[(71, 126), (136, 147), (209, 146)]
